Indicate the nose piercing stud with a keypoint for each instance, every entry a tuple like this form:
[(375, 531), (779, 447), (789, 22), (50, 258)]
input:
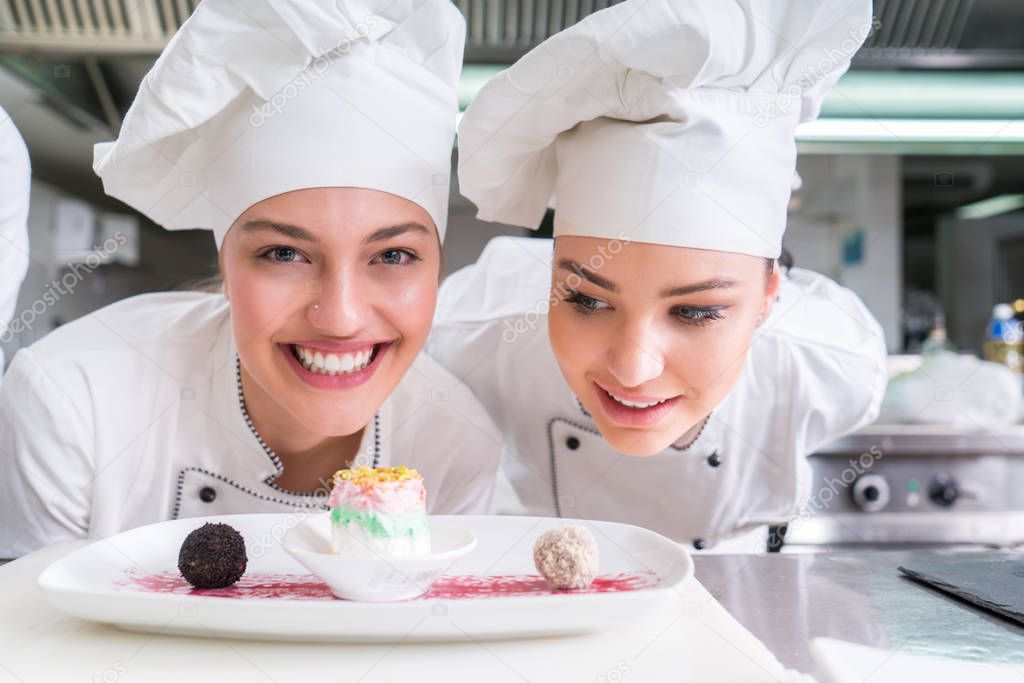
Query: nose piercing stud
[(316, 307)]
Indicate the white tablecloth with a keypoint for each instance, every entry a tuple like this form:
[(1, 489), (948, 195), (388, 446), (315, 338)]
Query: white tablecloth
[(691, 639)]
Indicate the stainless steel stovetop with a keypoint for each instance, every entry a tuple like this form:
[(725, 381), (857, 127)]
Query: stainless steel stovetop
[(915, 486)]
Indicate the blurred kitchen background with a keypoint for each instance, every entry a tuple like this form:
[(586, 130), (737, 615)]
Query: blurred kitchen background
[(913, 196)]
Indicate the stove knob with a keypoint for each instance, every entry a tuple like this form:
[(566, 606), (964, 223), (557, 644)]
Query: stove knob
[(870, 492), (943, 490)]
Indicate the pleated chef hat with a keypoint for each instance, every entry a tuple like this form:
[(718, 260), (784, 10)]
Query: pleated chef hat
[(664, 121), (250, 100)]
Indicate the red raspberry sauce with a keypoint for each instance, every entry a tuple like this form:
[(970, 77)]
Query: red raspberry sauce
[(308, 587)]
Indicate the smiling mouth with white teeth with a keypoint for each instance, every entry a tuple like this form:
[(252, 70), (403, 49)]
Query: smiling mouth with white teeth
[(321, 363), (631, 404)]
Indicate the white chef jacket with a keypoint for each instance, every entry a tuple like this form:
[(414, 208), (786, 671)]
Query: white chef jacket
[(132, 415), (815, 371), (15, 177)]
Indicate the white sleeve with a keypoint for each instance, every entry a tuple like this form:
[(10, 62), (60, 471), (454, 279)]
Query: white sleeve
[(46, 471), (484, 307), (469, 351), (474, 445), (827, 355), (15, 173)]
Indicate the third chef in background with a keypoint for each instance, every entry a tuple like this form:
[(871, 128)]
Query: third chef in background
[(15, 177)]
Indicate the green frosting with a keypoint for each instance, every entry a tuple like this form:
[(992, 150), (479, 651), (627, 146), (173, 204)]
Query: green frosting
[(380, 524)]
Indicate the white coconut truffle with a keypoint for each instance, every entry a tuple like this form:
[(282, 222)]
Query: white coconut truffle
[(567, 557)]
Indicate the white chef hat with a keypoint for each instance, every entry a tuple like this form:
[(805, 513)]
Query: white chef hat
[(665, 121), (250, 100)]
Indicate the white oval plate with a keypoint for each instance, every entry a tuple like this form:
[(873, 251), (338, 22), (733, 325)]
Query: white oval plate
[(131, 580)]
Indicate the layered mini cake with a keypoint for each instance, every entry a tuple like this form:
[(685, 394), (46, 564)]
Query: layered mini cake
[(379, 511)]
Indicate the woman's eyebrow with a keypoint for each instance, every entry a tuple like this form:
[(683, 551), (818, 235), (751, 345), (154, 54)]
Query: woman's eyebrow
[(588, 275), (714, 283), (392, 231), (292, 231)]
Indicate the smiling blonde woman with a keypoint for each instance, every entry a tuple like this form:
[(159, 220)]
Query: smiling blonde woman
[(314, 140), (654, 365)]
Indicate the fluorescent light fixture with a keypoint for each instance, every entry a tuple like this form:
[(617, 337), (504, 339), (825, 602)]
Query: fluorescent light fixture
[(903, 113), (907, 136), (993, 206), (909, 131), (911, 137), (926, 95)]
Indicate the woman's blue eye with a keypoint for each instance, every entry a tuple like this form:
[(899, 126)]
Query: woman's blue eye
[(281, 255), (584, 303), (697, 316), (397, 257)]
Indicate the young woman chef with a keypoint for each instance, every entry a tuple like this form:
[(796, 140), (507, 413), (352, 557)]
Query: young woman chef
[(663, 134), (316, 143)]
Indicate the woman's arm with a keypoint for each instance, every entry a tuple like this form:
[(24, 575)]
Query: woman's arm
[(475, 446), (828, 356), (485, 309), (46, 470), (442, 430)]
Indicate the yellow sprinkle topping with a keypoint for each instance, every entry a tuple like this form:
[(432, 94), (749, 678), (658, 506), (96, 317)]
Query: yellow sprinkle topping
[(369, 476)]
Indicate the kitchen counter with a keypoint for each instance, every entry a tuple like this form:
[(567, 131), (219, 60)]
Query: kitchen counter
[(861, 597), (782, 600)]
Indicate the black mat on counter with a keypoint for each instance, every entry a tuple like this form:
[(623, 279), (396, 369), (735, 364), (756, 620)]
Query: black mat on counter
[(997, 586)]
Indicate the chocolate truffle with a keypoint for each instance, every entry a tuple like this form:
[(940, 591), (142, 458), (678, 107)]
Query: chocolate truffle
[(212, 556), (567, 557)]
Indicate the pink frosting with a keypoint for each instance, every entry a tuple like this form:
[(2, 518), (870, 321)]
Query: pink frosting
[(393, 497)]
